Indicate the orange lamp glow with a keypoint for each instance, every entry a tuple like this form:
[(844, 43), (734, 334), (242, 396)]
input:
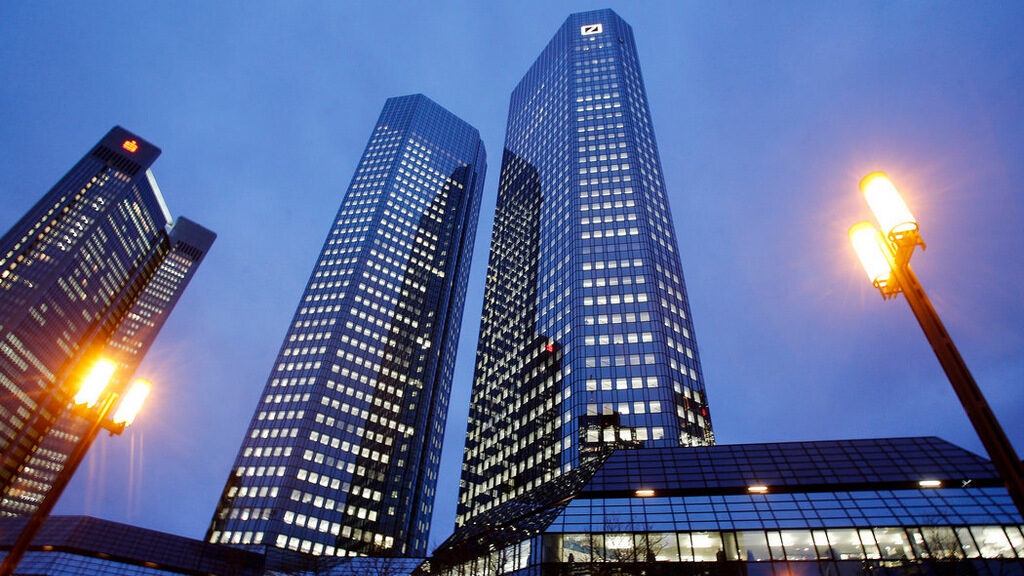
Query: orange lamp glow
[(885, 201), (132, 402), (94, 384), (930, 483), (644, 493), (868, 244), (130, 145), (757, 489)]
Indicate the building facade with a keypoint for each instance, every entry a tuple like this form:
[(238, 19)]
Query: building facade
[(77, 545), (849, 507), (586, 339), (341, 456), (91, 271)]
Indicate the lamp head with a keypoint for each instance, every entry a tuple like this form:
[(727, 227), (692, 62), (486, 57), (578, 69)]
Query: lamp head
[(132, 402), (95, 383), (870, 246), (885, 201)]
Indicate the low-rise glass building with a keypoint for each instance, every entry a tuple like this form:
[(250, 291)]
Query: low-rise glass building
[(880, 506), (79, 545)]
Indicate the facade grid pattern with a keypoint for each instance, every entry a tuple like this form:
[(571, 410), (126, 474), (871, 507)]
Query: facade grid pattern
[(880, 506), (342, 453), (77, 545), (586, 339), (92, 270)]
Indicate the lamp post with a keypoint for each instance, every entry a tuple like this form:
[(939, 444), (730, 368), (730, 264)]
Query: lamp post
[(886, 259), (90, 404)]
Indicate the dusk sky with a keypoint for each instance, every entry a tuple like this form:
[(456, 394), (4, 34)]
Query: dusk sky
[(767, 116)]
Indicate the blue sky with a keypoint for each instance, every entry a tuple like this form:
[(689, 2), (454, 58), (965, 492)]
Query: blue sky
[(767, 115)]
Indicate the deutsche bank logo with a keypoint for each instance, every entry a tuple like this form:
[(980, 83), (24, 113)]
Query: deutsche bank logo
[(591, 29)]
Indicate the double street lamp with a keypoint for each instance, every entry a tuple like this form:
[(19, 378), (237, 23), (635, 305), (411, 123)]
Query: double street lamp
[(886, 255), (93, 403)]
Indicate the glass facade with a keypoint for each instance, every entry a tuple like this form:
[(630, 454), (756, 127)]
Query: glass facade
[(78, 545), (586, 341), (91, 271), (342, 453), (899, 505)]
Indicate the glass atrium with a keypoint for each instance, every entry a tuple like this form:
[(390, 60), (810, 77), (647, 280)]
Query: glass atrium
[(894, 505)]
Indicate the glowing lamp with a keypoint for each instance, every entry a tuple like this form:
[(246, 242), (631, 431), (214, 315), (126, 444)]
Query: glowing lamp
[(886, 257), (550, 347), (644, 493), (757, 489), (868, 244), (891, 211), (130, 145), (94, 384), (132, 402)]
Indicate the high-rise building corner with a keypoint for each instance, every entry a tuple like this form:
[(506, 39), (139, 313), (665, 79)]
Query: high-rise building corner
[(91, 271)]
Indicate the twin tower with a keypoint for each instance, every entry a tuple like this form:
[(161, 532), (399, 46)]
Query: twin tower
[(586, 340)]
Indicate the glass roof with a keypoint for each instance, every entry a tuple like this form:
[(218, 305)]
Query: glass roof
[(737, 469)]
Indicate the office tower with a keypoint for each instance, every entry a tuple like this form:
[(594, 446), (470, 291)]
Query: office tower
[(91, 271), (586, 340), (342, 453)]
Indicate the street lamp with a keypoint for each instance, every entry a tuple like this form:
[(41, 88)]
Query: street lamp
[(89, 404), (886, 259)]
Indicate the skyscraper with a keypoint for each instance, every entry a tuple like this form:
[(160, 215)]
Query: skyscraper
[(92, 270), (342, 453), (586, 339)]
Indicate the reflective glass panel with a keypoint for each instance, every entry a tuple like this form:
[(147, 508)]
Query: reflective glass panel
[(821, 543), (992, 542), (1016, 539), (942, 542), (798, 545), (552, 550), (665, 547), (619, 548), (893, 543), (685, 549), (775, 545), (576, 548), (917, 543), (845, 544), (706, 546), (967, 544), (752, 546)]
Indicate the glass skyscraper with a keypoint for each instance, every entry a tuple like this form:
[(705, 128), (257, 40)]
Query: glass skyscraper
[(91, 271), (586, 340), (342, 453)]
